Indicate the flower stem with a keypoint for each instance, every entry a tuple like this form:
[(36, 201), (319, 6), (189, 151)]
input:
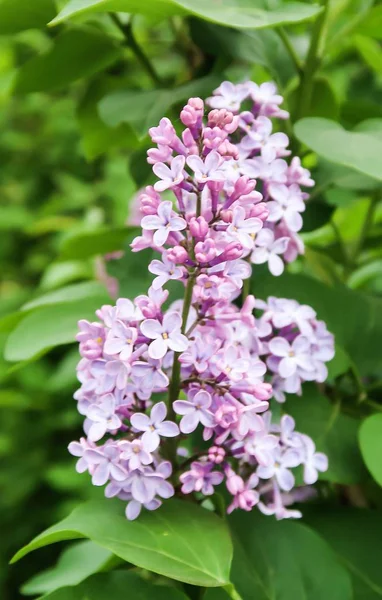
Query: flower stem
[(290, 49), (312, 63), (132, 43), (175, 379), (232, 592)]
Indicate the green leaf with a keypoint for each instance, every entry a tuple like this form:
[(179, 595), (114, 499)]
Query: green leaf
[(358, 329), (18, 15), (370, 50), (246, 14), (260, 47), (132, 272), (97, 137), (371, 25), (91, 243), (118, 585), (355, 535), (70, 293), (361, 277), (180, 540), (284, 560), (359, 150), (151, 8), (48, 327), (143, 109), (75, 564), (370, 441), (334, 433), (76, 53)]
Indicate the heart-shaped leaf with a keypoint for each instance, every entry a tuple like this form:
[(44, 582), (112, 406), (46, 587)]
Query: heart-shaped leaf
[(360, 150), (180, 540)]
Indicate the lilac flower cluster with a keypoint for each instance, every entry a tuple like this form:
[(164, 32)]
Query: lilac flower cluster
[(153, 375)]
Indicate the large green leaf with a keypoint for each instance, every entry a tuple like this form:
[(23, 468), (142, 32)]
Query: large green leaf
[(355, 535), (143, 109), (370, 440), (356, 149), (75, 564), (284, 560), (180, 540), (76, 53), (323, 100), (18, 15), (118, 585), (333, 433), (358, 329), (69, 293), (246, 14), (49, 326), (91, 243)]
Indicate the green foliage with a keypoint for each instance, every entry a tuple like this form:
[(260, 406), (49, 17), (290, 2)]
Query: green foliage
[(181, 540), (285, 561), (81, 81), (370, 441)]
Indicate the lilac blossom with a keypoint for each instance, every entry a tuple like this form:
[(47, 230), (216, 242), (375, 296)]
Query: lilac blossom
[(154, 426), (164, 222), (166, 335), (226, 197)]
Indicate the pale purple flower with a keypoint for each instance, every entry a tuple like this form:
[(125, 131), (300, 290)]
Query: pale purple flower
[(201, 478), (313, 461), (267, 100), (154, 426), (207, 170), (199, 353), (245, 497), (292, 355), (194, 411), (106, 462), (287, 204), (163, 223), (277, 507), (261, 446), (260, 137), (103, 418), (121, 340), (267, 249), (229, 362), (165, 270), (243, 229), (280, 468), (150, 374), (135, 453), (228, 96), (166, 335), (78, 449), (170, 176)]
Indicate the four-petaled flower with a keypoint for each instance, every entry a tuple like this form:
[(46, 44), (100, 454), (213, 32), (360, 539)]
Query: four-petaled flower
[(243, 229), (194, 411), (292, 355), (154, 426), (164, 222), (166, 335), (103, 418), (207, 170), (267, 249), (170, 176)]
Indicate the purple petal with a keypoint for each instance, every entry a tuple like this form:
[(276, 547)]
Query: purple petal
[(141, 422), (97, 431), (133, 510), (151, 328), (168, 429), (151, 222), (189, 422), (279, 346), (158, 413), (172, 321), (158, 348), (150, 441), (101, 474), (183, 407)]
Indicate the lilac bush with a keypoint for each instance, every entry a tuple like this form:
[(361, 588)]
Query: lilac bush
[(158, 375)]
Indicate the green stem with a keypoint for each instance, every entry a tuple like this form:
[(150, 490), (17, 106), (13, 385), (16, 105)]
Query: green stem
[(312, 63), (175, 379), (368, 222), (132, 43), (232, 592), (290, 49)]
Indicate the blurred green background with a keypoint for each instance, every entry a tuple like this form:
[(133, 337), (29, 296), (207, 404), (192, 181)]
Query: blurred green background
[(75, 104)]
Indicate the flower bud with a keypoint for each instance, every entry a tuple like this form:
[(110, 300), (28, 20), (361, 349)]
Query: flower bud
[(198, 227)]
